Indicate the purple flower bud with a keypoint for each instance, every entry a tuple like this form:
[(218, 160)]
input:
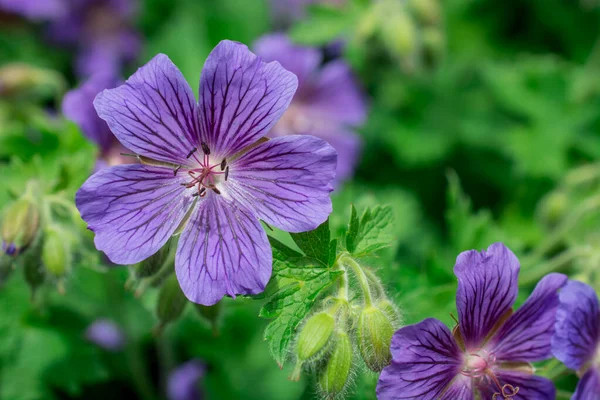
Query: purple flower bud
[(183, 381), (106, 334)]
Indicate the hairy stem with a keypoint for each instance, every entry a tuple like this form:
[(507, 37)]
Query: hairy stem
[(361, 278)]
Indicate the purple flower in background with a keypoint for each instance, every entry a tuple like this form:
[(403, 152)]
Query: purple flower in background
[(208, 168), (183, 381), (488, 353), (100, 30), (328, 103), (287, 11), (78, 106), (577, 337), (106, 334)]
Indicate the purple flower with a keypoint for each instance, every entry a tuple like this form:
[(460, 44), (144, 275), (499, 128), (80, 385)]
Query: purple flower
[(35, 10), (328, 103), (78, 106), (577, 337), (183, 381), (208, 169), (488, 353), (106, 334)]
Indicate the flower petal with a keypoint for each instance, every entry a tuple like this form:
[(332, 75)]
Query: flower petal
[(531, 387), (487, 289), (348, 146), (426, 359), (527, 333), (154, 113), (577, 325), (460, 388), (222, 250), (588, 387), (302, 61), (286, 181), (241, 97), (183, 381), (336, 95), (78, 106), (132, 209)]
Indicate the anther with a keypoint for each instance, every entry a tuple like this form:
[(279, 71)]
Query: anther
[(226, 172), (202, 192), (191, 152), (195, 194), (205, 148), (176, 170), (223, 164), (217, 191)]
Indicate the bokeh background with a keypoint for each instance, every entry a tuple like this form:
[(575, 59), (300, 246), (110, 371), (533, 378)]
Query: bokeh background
[(482, 125)]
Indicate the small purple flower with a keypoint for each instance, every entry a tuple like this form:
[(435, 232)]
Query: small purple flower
[(183, 381), (328, 103), (106, 334), (489, 352), (35, 10), (576, 341), (78, 106), (207, 169)]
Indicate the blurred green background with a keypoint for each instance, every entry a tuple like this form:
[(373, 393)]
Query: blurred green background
[(483, 126)]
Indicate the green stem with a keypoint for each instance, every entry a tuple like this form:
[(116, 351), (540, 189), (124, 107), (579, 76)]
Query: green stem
[(361, 278), (375, 282)]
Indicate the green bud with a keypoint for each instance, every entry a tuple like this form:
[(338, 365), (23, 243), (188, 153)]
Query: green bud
[(375, 332), (33, 269), (335, 377), (554, 207), (20, 225), (171, 302), (56, 253), (315, 335), (427, 11), (212, 314), (21, 79), (151, 265), (389, 309)]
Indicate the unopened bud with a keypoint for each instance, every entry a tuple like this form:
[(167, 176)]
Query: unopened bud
[(171, 302), (20, 225), (336, 375), (33, 269), (389, 309), (315, 335), (20, 79), (375, 332), (212, 314), (56, 253), (151, 265), (427, 11)]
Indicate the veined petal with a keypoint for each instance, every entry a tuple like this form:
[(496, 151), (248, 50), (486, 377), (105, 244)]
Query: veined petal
[(460, 388), (286, 181), (531, 387), (577, 331), (154, 113), (588, 387), (487, 289), (527, 333), (336, 95), (223, 250), (241, 97), (426, 359), (302, 61), (133, 209)]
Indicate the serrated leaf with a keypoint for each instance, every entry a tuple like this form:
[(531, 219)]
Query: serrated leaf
[(374, 231), (352, 233), (315, 243), (300, 283)]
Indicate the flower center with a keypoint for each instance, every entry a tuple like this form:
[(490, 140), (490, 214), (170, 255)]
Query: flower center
[(479, 365), (295, 121), (207, 174)]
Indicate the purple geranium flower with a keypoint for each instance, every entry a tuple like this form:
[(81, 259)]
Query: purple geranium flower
[(183, 381), (576, 341), (207, 169), (78, 106), (328, 103), (35, 10), (106, 334), (488, 353)]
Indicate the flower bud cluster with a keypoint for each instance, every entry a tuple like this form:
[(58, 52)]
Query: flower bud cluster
[(349, 327), (410, 31)]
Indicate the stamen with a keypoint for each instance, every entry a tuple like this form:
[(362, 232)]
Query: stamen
[(223, 164), (202, 192), (128, 154), (205, 148), (191, 152), (217, 191), (176, 170), (226, 172)]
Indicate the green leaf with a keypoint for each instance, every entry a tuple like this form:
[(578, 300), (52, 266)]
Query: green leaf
[(315, 243), (372, 233), (300, 281)]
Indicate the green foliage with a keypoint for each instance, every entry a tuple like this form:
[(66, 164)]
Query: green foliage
[(371, 233)]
